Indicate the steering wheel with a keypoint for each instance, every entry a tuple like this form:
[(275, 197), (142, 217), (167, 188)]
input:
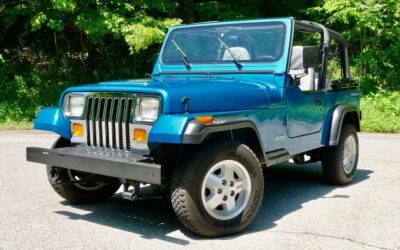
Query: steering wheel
[(265, 57)]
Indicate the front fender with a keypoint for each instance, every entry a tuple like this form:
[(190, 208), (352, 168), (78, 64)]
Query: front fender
[(196, 132), (169, 129), (184, 129), (53, 119)]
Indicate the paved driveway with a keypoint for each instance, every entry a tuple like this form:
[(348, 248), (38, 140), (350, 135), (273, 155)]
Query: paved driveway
[(299, 211)]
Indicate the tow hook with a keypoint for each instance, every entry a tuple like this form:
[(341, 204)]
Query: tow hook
[(131, 189)]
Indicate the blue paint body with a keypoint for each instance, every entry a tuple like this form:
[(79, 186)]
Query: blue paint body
[(53, 119), (264, 99)]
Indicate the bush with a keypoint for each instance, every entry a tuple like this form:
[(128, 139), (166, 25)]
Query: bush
[(381, 112)]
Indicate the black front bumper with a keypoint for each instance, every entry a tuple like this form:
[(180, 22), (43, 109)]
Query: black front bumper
[(126, 165)]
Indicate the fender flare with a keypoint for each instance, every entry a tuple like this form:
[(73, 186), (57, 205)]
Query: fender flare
[(196, 132), (184, 129), (337, 121)]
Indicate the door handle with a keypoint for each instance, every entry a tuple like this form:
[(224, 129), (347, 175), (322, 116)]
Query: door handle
[(318, 102)]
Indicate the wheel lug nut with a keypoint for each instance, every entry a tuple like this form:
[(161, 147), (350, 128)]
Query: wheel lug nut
[(223, 182), (232, 193), (224, 198), (219, 191), (232, 183)]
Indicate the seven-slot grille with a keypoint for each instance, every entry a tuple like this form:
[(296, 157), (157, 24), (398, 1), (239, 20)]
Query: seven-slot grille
[(107, 122)]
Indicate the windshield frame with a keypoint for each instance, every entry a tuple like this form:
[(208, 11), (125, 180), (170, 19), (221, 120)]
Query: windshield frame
[(213, 25)]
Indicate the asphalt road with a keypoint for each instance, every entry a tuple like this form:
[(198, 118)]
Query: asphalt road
[(299, 211)]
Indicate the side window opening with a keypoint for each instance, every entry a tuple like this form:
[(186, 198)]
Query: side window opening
[(334, 72), (305, 64)]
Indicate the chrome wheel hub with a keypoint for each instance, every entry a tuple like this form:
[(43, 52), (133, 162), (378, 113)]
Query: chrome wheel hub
[(349, 154), (226, 189)]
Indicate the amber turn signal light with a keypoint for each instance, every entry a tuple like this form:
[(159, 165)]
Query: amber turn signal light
[(140, 135), (77, 129), (207, 119)]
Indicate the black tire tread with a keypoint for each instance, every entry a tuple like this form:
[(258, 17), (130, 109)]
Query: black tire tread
[(74, 194), (332, 159), (179, 195)]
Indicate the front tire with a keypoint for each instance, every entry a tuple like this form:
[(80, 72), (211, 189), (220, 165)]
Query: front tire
[(339, 163), (218, 191), (66, 182)]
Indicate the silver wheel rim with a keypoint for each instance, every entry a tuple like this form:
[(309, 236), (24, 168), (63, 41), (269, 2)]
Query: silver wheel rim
[(226, 189), (74, 177), (349, 154)]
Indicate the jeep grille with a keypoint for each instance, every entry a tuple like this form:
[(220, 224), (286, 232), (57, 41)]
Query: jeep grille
[(107, 121)]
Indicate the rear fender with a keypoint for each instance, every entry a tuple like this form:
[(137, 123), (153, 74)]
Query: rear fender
[(338, 118)]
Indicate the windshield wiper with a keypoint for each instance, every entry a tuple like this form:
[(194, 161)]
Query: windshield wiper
[(238, 64), (183, 55)]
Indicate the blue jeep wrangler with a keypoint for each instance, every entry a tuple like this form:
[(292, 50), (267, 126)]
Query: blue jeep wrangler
[(225, 100)]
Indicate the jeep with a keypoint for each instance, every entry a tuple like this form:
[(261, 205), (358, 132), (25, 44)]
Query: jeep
[(225, 100)]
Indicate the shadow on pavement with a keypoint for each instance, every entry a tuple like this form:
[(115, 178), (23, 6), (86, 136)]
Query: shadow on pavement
[(151, 217), (287, 187)]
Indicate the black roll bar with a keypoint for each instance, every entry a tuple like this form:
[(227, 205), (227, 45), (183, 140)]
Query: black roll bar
[(327, 34)]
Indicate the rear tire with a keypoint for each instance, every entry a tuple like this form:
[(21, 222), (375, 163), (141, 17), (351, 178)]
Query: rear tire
[(78, 193), (228, 172), (339, 163)]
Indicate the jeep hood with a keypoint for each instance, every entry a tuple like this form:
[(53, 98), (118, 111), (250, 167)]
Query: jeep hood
[(205, 95)]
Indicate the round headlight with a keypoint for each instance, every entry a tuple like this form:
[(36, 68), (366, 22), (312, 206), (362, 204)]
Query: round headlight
[(74, 105), (147, 109)]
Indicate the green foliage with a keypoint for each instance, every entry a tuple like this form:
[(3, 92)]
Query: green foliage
[(99, 20), (16, 125), (381, 112), (372, 28), (47, 46), (64, 5), (225, 10)]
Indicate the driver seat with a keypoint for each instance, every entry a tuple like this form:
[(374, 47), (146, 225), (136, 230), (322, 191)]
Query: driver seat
[(298, 69)]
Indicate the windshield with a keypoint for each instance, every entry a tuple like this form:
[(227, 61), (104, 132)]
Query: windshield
[(235, 43)]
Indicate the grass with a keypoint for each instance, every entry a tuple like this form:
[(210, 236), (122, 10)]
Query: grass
[(381, 112), (11, 125)]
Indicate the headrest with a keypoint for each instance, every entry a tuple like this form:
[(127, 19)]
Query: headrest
[(240, 53)]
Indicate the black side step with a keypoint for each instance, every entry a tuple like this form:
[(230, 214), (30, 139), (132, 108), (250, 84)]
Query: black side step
[(277, 156)]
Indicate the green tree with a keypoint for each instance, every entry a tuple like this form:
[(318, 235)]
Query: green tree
[(98, 20), (372, 28)]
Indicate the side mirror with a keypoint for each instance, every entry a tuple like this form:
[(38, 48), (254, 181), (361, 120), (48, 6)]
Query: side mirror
[(304, 57), (311, 56)]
